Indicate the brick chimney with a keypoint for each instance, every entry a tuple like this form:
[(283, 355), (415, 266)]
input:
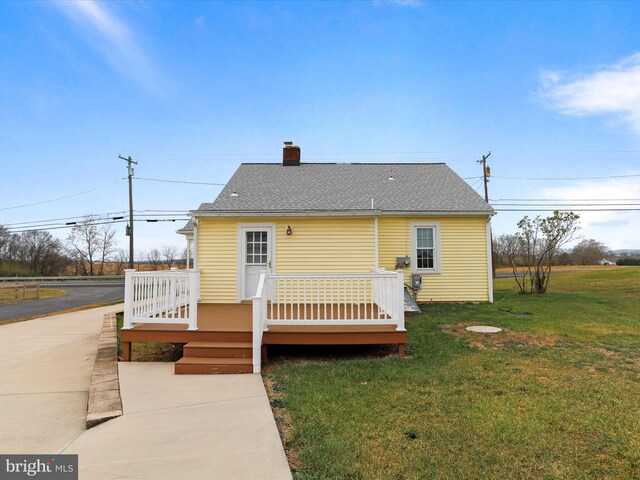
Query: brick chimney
[(290, 155)]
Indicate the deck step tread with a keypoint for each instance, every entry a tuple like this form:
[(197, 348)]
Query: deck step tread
[(214, 361), (219, 345)]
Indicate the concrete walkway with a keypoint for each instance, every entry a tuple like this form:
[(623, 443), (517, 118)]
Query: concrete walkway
[(185, 426), (45, 374)]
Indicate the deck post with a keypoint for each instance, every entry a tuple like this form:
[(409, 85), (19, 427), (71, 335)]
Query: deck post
[(128, 298), (126, 351), (400, 299), (256, 341), (194, 296)]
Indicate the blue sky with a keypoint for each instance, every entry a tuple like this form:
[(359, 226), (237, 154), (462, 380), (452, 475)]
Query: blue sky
[(192, 89)]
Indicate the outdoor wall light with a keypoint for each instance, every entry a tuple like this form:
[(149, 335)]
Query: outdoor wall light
[(289, 230)]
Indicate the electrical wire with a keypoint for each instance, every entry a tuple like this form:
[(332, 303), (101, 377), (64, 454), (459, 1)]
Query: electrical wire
[(565, 200), (565, 178), (60, 198), (176, 181), (112, 222)]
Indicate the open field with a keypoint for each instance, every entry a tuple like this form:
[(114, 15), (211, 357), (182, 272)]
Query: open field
[(7, 295), (555, 395)]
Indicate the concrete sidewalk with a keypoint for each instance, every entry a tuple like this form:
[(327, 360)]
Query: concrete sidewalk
[(45, 375), (185, 426)]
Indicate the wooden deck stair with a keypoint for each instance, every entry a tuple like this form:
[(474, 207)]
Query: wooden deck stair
[(215, 357)]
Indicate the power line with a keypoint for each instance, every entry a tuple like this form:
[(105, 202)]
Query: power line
[(112, 222), (99, 216), (551, 209), (567, 205), (59, 198), (565, 200), (177, 181), (567, 178)]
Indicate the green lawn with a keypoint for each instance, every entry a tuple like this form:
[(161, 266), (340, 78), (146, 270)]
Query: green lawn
[(149, 351), (8, 295), (556, 395)]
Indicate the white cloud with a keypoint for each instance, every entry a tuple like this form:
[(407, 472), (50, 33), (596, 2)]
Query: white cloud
[(609, 90), (616, 229), (112, 37)]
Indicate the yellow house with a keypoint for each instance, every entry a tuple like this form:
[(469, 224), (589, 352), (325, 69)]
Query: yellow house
[(295, 218), (317, 253)]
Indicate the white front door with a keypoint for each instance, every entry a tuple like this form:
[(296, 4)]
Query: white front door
[(256, 257)]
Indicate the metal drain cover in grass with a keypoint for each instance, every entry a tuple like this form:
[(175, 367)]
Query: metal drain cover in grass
[(484, 329)]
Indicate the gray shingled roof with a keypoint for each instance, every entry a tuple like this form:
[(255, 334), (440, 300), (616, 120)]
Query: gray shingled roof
[(187, 228), (423, 187)]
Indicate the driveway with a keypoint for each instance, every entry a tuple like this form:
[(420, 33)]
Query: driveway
[(45, 374), (205, 427), (174, 426), (78, 295)]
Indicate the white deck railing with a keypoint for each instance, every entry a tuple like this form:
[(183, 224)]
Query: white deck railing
[(326, 299), (168, 296)]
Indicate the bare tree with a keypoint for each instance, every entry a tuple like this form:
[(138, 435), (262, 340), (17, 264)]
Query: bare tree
[(154, 258), (589, 252), (538, 242), (141, 256), (120, 258), (85, 241), (107, 242), (169, 254)]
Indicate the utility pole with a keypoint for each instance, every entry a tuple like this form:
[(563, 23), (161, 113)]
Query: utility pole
[(130, 226), (486, 172)]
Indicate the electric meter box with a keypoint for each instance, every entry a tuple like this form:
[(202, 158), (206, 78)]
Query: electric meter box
[(416, 282), (402, 262)]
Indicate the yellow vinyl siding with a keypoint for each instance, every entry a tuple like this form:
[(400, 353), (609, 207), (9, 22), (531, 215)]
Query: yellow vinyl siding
[(317, 245), (217, 259), (463, 253)]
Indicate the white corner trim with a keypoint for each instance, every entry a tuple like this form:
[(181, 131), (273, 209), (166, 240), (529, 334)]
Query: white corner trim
[(375, 237), (195, 245), (489, 262), (437, 263)]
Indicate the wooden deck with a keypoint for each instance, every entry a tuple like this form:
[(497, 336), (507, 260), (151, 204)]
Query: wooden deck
[(223, 341)]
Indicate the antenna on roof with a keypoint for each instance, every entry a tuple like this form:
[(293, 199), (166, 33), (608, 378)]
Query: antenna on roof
[(235, 187), (391, 174)]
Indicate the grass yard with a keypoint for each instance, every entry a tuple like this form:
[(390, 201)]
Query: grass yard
[(556, 395), (7, 295), (150, 351)]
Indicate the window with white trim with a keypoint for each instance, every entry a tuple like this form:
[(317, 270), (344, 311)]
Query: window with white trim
[(425, 255)]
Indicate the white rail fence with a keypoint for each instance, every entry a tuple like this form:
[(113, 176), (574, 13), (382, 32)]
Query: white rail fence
[(168, 296), (326, 299)]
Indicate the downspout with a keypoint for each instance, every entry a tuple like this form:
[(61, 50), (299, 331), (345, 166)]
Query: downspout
[(489, 260)]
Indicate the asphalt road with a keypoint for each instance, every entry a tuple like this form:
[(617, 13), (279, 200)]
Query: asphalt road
[(78, 295)]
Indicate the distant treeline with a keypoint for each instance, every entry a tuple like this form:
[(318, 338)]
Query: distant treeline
[(628, 261)]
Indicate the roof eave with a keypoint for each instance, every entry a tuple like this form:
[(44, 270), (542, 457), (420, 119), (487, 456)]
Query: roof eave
[(340, 213)]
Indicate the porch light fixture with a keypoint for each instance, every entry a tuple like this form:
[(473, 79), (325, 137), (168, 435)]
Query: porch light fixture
[(289, 230)]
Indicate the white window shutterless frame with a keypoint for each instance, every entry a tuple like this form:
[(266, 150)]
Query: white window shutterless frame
[(425, 248)]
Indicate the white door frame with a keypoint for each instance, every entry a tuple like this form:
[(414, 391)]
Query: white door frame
[(242, 254)]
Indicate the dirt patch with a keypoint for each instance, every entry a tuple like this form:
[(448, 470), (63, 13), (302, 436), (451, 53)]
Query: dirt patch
[(494, 341), (283, 421)]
